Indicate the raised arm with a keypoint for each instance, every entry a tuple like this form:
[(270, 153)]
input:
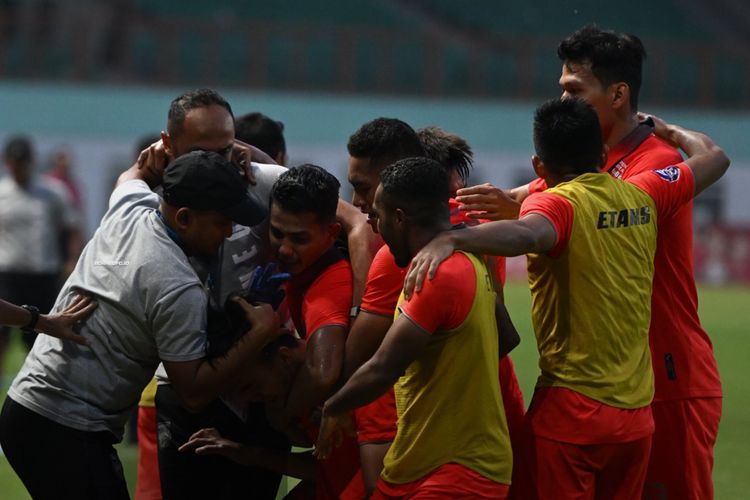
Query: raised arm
[(706, 159), (363, 244), (149, 167), (532, 234), (486, 201)]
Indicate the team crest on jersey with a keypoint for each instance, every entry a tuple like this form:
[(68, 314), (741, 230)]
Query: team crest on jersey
[(670, 174), (618, 169)]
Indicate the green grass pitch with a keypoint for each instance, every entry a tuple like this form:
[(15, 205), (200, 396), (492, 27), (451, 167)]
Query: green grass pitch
[(724, 313)]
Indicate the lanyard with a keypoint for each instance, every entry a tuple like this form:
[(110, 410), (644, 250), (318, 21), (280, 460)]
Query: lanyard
[(171, 232)]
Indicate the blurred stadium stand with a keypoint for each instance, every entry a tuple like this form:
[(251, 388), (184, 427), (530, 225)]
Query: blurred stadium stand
[(97, 74), (699, 50)]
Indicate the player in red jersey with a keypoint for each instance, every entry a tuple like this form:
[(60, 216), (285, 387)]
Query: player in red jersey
[(604, 68), (375, 145), (371, 148), (454, 153), (590, 416), (448, 355), (302, 231)]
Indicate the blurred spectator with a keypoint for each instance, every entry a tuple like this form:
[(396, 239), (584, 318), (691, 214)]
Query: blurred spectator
[(264, 133), (39, 234), (61, 168)]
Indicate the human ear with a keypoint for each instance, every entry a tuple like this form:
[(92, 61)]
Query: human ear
[(166, 139), (539, 169), (183, 217), (621, 95)]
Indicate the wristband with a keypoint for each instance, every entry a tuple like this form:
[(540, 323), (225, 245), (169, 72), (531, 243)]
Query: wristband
[(31, 325), (354, 311)]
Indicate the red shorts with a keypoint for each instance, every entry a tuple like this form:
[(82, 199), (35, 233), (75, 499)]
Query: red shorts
[(514, 414), (376, 422), (147, 486), (448, 481), (682, 453), (512, 397), (608, 471)]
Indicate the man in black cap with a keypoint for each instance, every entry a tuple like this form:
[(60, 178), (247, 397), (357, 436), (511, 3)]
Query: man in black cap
[(69, 403)]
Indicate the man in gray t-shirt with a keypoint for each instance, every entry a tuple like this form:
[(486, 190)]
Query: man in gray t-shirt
[(74, 400)]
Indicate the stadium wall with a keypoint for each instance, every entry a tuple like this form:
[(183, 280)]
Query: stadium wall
[(101, 125)]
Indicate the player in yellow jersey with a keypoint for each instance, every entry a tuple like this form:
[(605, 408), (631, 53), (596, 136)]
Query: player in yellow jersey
[(443, 345), (590, 241)]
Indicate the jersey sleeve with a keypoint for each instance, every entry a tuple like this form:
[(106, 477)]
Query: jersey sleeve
[(329, 299), (557, 210), (444, 301), (130, 194), (537, 185), (384, 283), (670, 187), (179, 324)]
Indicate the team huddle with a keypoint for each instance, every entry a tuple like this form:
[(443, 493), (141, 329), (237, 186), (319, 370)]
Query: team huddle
[(250, 309)]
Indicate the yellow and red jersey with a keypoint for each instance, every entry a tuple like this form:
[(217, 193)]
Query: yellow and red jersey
[(592, 293), (682, 353), (439, 420)]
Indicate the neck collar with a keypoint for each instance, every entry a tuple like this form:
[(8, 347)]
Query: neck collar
[(171, 232)]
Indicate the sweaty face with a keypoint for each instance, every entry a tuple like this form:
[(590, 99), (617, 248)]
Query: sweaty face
[(364, 180), (206, 232), (298, 239), (391, 230), (210, 128), (577, 80)]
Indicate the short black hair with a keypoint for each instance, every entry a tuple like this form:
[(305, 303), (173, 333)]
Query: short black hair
[(419, 186), (567, 137), (18, 149), (448, 149), (262, 132), (614, 57), (384, 141), (284, 340), (182, 104), (307, 189)]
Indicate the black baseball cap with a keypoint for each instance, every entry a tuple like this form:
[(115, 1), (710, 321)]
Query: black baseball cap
[(204, 180)]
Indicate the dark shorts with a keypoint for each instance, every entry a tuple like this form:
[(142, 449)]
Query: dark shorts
[(187, 475), (55, 461)]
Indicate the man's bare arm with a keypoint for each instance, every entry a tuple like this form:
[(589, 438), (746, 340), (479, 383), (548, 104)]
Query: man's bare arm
[(318, 377), (210, 442), (402, 345), (61, 324), (705, 158), (363, 245), (365, 336), (488, 202), (532, 234)]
